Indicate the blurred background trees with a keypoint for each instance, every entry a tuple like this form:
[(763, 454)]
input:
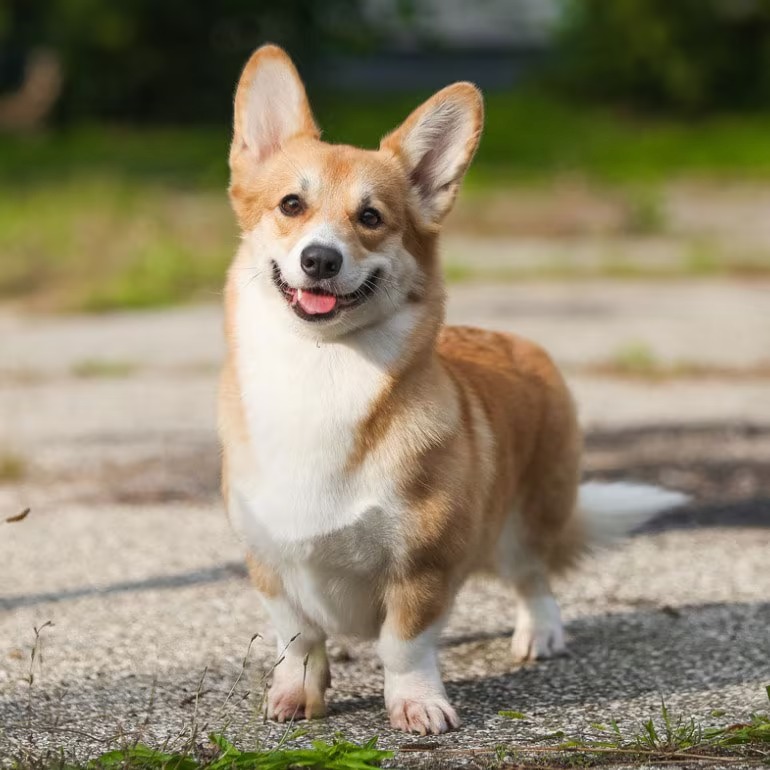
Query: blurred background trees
[(689, 56), (143, 60), (176, 60)]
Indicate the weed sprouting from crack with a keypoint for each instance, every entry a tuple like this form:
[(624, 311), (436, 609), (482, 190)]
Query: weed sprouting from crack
[(242, 671), (35, 656), (671, 738), (194, 747)]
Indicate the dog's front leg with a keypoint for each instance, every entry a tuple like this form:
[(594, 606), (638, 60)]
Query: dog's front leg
[(408, 645), (301, 675)]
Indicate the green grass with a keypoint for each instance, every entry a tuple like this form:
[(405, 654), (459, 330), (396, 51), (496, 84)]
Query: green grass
[(97, 368), (637, 360), (646, 213), (678, 738), (187, 751), (666, 739), (338, 754), (98, 218), (527, 136), (221, 754), (616, 266), (98, 244)]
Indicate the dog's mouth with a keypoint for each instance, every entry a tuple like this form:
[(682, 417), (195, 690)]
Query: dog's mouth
[(317, 304)]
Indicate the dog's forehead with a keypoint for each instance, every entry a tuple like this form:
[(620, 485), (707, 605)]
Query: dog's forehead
[(343, 172)]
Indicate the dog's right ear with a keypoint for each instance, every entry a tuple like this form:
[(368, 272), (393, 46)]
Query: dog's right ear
[(270, 106)]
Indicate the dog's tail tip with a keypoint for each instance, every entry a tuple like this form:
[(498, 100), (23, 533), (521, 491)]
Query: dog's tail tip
[(611, 510)]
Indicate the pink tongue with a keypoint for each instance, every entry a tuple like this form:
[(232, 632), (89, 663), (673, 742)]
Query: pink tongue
[(317, 304)]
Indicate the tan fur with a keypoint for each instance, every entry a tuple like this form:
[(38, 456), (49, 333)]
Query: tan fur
[(265, 579), (522, 401)]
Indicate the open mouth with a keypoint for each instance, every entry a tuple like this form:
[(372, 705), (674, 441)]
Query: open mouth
[(319, 305)]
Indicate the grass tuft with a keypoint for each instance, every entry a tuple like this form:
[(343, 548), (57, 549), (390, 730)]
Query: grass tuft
[(635, 359), (93, 368), (668, 738), (645, 213), (13, 467), (638, 361), (512, 714)]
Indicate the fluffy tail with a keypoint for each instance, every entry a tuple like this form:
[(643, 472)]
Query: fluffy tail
[(610, 511)]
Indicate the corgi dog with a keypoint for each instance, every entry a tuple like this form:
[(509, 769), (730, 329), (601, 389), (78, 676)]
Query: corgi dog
[(374, 458)]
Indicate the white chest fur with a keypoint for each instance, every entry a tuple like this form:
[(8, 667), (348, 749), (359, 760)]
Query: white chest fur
[(304, 402), (327, 528)]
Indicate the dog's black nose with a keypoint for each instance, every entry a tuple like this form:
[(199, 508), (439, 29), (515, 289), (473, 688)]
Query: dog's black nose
[(320, 261)]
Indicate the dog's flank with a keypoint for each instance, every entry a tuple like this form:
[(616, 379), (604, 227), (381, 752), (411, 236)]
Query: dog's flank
[(373, 458)]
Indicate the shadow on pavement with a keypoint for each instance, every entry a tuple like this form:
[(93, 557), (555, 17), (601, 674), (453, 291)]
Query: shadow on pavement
[(745, 513), (620, 665), (229, 571), (615, 658)]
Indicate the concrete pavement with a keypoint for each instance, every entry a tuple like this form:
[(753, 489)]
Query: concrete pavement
[(128, 553)]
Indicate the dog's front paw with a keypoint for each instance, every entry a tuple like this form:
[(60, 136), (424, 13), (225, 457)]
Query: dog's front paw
[(285, 704), (429, 716), (539, 632)]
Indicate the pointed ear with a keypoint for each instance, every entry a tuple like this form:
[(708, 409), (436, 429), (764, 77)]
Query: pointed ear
[(270, 105), (436, 143)]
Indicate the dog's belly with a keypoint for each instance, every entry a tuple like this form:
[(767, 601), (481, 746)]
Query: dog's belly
[(332, 578)]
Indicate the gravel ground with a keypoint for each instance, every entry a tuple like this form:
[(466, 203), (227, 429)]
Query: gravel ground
[(128, 553), (151, 605)]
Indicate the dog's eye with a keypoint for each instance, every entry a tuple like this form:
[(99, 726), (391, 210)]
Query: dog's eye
[(291, 205), (370, 218)]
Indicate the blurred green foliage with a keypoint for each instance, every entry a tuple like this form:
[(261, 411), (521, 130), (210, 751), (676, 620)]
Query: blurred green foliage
[(684, 55), (175, 60), (98, 218), (528, 137)]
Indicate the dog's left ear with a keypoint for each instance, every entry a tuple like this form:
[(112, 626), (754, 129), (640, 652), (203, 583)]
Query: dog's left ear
[(436, 144), (270, 106)]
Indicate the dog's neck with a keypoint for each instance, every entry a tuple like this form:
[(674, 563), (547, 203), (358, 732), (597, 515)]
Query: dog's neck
[(265, 328)]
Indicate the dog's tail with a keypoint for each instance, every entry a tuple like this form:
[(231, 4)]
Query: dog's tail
[(610, 511)]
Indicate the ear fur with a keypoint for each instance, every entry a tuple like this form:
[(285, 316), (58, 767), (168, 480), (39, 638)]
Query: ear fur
[(271, 106), (436, 144)]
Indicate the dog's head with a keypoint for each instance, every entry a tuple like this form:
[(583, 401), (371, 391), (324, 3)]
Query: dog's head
[(343, 236)]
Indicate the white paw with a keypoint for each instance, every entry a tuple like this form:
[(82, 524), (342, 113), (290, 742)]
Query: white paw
[(427, 716), (287, 703), (539, 632)]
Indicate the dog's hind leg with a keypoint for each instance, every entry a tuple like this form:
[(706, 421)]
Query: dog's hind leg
[(538, 631)]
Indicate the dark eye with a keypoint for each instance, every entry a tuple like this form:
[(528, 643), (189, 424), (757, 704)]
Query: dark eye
[(370, 218), (291, 205)]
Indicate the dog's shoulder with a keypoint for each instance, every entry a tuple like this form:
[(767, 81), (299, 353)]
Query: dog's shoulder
[(481, 354)]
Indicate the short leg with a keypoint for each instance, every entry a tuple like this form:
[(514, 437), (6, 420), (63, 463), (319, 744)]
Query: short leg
[(301, 676), (539, 632), (414, 693)]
